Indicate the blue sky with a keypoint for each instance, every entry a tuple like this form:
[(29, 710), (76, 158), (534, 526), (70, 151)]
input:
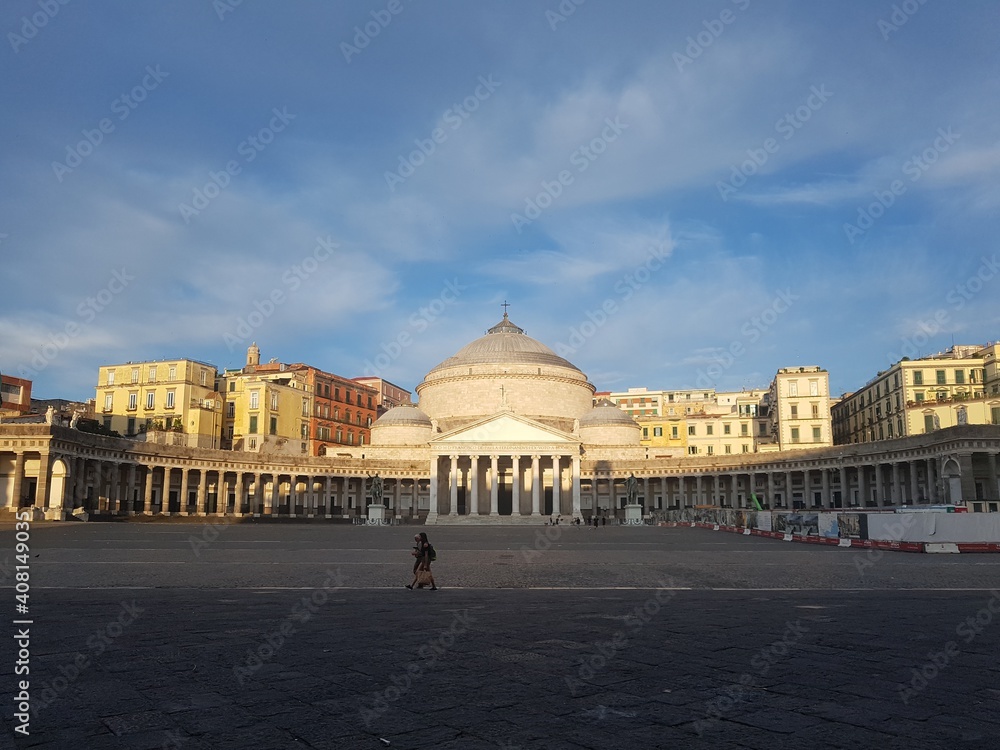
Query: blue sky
[(671, 195)]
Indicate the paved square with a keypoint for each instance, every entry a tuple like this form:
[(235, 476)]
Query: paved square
[(156, 635)]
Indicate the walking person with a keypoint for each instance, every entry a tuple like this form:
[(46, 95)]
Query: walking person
[(424, 553)]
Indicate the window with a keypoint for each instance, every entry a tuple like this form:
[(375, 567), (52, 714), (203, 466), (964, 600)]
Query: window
[(744, 429), (995, 414), (645, 432), (171, 394), (728, 448), (231, 409), (960, 377), (795, 434), (710, 450), (340, 435), (254, 399), (727, 429), (709, 429), (135, 374), (150, 400), (691, 430), (172, 374), (941, 380), (274, 426), (232, 386), (111, 377), (347, 416), (815, 411), (336, 394), (813, 388), (130, 429), (918, 377), (274, 401), (793, 388), (109, 400), (152, 375), (919, 397), (336, 412), (746, 448), (794, 411), (253, 425), (204, 377), (350, 438), (305, 407), (133, 401), (928, 422), (657, 432), (673, 432), (693, 450), (304, 430), (817, 434), (370, 403)]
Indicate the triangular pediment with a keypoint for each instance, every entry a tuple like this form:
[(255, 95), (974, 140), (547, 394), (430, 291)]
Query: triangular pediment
[(506, 428)]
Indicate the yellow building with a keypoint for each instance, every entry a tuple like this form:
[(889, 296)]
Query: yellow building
[(956, 387), (170, 401), (267, 409), (799, 408)]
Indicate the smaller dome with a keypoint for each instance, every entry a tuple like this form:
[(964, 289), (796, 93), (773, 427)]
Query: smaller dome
[(406, 414), (606, 413)]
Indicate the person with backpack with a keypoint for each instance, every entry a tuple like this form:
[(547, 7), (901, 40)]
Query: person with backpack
[(425, 554)]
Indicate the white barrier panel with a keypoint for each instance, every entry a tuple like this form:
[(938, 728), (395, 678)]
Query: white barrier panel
[(935, 527), (941, 548)]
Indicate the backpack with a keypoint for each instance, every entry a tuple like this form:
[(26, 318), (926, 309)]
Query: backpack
[(432, 552)]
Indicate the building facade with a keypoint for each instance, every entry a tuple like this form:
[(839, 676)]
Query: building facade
[(799, 408), (15, 396), (914, 397), (390, 395), (173, 401)]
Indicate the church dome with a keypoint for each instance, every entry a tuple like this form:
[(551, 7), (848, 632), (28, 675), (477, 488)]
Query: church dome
[(404, 414), (606, 413), (505, 370), (505, 343)]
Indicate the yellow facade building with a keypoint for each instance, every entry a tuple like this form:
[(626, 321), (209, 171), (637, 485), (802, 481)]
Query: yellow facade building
[(267, 410), (170, 401), (956, 387)]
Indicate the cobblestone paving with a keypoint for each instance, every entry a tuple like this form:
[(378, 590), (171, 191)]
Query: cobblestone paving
[(296, 636)]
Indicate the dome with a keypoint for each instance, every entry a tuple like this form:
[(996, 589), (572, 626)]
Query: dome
[(606, 413), (505, 343), (406, 414)]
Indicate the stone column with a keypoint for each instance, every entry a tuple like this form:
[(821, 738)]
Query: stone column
[(770, 489), (716, 490), (515, 486), (18, 479), (432, 513), (240, 491), (453, 487), (474, 485), (494, 487), (845, 488), (789, 502), (914, 483), (44, 480), (185, 478), (130, 488), (556, 482), (864, 493), (897, 485), (993, 479), (577, 511), (697, 489), (202, 507), (397, 496), (646, 504), (147, 491), (879, 485), (827, 501), (536, 489), (271, 498)]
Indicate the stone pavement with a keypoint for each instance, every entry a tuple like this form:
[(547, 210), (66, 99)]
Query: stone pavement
[(296, 636)]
